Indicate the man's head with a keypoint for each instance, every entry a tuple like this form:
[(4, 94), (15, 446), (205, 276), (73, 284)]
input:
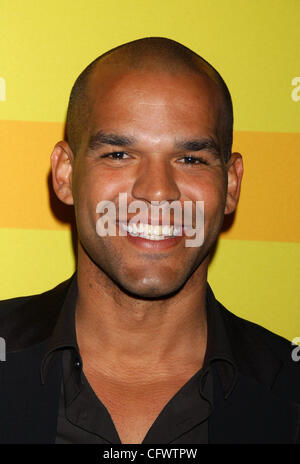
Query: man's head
[(152, 54), (153, 120)]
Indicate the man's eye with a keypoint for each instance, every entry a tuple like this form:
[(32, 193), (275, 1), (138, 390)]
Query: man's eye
[(116, 155), (193, 160)]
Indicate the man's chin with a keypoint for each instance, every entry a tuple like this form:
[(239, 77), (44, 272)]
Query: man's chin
[(150, 289)]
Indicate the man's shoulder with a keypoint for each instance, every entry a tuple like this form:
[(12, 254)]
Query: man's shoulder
[(27, 320), (263, 355), (255, 334), (10, 304)]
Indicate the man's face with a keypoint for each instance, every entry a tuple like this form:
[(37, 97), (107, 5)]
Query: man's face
[(154, 115)]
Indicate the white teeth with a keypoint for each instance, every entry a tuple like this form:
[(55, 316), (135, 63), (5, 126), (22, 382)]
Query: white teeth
[(152, 237), (152, 232), (177, 230)]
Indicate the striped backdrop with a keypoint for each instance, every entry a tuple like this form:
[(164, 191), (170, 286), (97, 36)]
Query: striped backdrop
[(254, 44)]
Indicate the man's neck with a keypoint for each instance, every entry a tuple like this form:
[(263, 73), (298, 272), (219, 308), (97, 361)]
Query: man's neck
[(114, 329)]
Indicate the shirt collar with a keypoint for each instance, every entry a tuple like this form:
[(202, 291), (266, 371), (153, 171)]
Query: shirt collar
[(219, 350), (218, 344), (64, 332)]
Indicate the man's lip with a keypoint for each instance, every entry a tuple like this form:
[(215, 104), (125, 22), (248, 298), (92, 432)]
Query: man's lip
[(154, 245)]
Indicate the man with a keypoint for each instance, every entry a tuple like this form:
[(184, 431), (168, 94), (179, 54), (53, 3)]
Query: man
[(134, 348)]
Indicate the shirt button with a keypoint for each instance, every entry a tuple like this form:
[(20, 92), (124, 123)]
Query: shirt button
[(77, 364)]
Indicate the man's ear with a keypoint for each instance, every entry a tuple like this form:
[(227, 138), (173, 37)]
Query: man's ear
[(235, 171), (62, 159)]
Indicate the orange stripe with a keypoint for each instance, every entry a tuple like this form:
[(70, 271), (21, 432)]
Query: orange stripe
[(268, 208), (25, 149), (269, 201)]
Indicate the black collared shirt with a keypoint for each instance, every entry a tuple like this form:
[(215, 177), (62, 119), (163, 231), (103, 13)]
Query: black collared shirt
[(83, 418)]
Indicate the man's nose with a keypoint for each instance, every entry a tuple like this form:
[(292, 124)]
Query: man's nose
[(155, 182)]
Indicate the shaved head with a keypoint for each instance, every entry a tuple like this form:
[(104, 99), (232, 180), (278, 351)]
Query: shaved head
[(153, 54)]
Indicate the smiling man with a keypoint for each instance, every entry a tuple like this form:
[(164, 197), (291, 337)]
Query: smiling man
[(134, 348)]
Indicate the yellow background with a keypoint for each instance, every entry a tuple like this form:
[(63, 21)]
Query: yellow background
[(254, 44)]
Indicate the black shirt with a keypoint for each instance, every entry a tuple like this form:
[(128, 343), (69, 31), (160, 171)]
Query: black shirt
[(83, 418)]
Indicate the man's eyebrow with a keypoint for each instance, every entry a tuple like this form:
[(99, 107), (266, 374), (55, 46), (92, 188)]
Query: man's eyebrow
[(101, 138), (198, 144)]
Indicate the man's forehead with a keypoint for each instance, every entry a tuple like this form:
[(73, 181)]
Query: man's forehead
[(106, 80), (165, 127)]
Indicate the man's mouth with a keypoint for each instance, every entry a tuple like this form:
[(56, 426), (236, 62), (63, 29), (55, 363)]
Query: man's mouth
[(152, 232)]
